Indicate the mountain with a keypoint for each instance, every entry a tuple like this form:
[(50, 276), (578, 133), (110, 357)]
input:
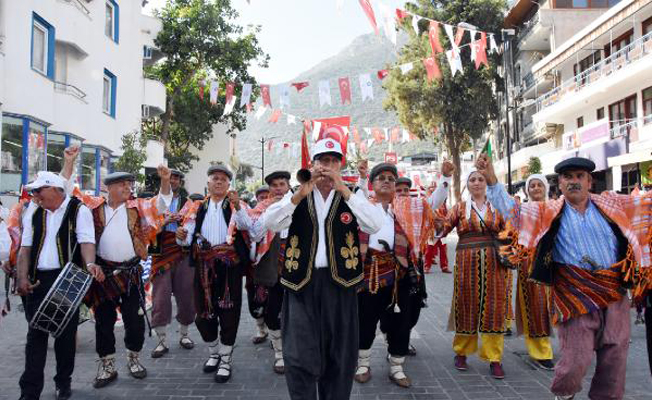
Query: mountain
[(366, 54)]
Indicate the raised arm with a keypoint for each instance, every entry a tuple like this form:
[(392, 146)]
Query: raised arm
[(496, 193), (440, 194)]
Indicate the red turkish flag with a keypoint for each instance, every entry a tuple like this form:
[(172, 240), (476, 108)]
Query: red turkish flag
[(401, 15), (299, 86), (481, 51), (305, 151), (335, 128), (275, 116), (345, 90), (366, 6), (378, 134), (270, 144), (356, 136), (264, 91), (201, 90), (433, 35), (432, 69), (459, 35), (382, 74), (394, 135), (230, 88)]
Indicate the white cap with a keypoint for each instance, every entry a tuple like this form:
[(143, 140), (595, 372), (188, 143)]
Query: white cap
[(326, 146), (46, 178)]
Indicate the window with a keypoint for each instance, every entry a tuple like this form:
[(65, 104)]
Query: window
[(587, 62), (647, 26), (647, 105), (56, 146), (580, 122), (12, 154), (112, 20), (88, 167), (584, 3), (622, 114), (599, 113), (108, 93), (36, 149), (619, 43), (42, 57)]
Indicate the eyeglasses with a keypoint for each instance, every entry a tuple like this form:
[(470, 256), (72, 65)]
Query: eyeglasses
[(383, 178), (38, 190)]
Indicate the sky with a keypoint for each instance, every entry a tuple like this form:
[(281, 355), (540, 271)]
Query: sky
[(297, 34)]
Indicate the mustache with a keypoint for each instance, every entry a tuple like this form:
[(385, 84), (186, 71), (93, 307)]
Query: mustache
[(574, 186)]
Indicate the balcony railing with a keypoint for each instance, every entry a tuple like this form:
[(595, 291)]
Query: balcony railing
[(72, 90), (78, 5), (622, 128), (528, 26), (635, 51), (527, 83)]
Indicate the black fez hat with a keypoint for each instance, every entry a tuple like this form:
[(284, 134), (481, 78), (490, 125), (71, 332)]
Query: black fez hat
[(220, 168), (119, 177), (383, 167), (196, 196), (178, 173), (575, 163), (277, 175), (404, 181), (262, 189)]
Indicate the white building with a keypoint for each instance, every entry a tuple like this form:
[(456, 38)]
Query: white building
[(71, 71)]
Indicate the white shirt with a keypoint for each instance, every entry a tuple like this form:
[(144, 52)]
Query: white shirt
[(386, 232), (115, 243), (279, 217), (215, 228), (49, 257)]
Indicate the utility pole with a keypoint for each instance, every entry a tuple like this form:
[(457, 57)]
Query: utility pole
[(507, 35), (262, 142)]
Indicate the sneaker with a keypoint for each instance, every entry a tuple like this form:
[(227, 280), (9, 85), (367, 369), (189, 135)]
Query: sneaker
[(63, 393), (460, 363), (106, 372), (136, 369), (497, 370), (548, 365), (160, 350)]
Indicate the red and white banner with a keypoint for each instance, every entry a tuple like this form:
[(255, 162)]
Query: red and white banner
[(345, 90)]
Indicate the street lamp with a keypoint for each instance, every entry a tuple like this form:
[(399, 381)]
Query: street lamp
[(262, 141), (507, 35)]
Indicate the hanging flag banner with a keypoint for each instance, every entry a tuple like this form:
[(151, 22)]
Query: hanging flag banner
[(356, 135), (230, 98), (432, 69), (388, 23), (299, 86), (275, 116), (401, 15), (382, 74), (305, 150), (369, 11), (325, 93), (459, 35), (480, 47), (261, 110), (264, 92), (378, 135), (407, 67), (433, 36), (345, 90), (394, 135), (366, 88), (215, 88), (455, 61), (335, 128), (292, 119), (415, 24), (246, 94), (493, 47), (451, 35), (284, 96), (201, 89)]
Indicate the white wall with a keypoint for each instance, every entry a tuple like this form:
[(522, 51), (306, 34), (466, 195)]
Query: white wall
[(216, 150)]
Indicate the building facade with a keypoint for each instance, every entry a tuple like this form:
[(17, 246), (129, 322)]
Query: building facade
[(71, 72)]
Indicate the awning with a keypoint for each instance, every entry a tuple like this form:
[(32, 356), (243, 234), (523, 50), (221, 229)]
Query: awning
[(631, 158), (601, 152)]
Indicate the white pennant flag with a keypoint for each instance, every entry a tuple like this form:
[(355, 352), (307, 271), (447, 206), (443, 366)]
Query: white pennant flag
[(366, 88), (368, 131), (415, 24), (316, 127), (284, 96), (407, 67), (246, 94), (493, 47), (325, 93), (455, 61), (388, 22), (370, 142), (292, 119), (215, 88), (474, 48), (405, 136), (450, 34), (228, 108), (261, 110)]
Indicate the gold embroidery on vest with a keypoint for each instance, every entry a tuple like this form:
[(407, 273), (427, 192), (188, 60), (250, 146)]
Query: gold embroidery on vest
[(350, 253), (292, 254)]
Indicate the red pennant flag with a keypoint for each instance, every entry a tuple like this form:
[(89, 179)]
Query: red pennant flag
[(286, 145), (401, 15), (366, 6), (345, 90), (459, 35), (201, 90), (433, 35), (249, 108), (481, 51), (264, 90), (305, 151), (394, 136), (356, 136), (378, 135), (382, 74), (275, 116), (299, 86), (230, 88), (432, 69), (345, 146), (270, 144)]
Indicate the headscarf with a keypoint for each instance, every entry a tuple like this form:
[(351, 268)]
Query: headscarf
[(543, 180), (469, 199)]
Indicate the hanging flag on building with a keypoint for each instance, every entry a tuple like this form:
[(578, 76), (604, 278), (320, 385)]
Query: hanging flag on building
[(264, 92), (366, 88), (369, 11), (299, 86), (382, 74), (345, 90), (325, 93), (284, 96), (433, 36), (455, 61), (432, 69), (246, 94)]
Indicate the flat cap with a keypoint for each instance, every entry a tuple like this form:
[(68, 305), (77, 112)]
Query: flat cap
[(575, 163), (119, 177), (383, 167), (277, 175), (404, 181), (196, 196), (220, 168), (177, 173), (262, 189)]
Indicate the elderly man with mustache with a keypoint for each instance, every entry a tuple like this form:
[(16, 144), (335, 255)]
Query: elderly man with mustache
[(589, 248)]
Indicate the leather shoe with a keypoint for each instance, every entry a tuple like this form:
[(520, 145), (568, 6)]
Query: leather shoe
[(460, 363), (547, 365), (63, 393), (497, 370)]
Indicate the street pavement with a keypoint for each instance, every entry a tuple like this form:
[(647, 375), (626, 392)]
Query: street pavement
[(178, 375)]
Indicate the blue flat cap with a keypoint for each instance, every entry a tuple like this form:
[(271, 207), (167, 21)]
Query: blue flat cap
[(575, 163), (119, 177), (220, 168), (383, 167), (277, 175), (404, 181)]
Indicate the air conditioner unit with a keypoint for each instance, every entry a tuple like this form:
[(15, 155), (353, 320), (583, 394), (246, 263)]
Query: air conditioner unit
[(145, 111)]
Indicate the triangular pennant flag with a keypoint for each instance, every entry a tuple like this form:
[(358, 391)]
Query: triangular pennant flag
[(230, 88), (433, 35), (261, 110), (363, 148), (432, 68), (455, 61), (264, 92), (388, 23), (367, 131), (405, 136), (366, 89), (270, 145), (246, 94), (382, 74), (299, 86), (379, 135), (459, 36), (369, 11), (215, 88), (401, 15), (284, 96), (394, 135), (370, 142), (451, 35), (493, 47), (292, 119), (316, 128), (325, 93), (415, 24), (407, 67), (275, 116), (356, 135), (481, 51), (201, 89), (345, 90), (305, 151), (474, 45)]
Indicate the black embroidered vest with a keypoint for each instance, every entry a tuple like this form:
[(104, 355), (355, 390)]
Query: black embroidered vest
[(342, 245), (66, 237), (156, 248)]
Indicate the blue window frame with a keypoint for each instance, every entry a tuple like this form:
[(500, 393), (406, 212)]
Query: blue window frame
[(109, 87), (42, 46), (112, 20)]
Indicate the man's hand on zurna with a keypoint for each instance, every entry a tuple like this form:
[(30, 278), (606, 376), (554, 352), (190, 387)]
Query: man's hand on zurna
[(363, 169), (164, 172), (181, 233)]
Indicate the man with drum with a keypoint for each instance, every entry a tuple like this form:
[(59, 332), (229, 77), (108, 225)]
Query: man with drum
[(59, 231), (124, 227)]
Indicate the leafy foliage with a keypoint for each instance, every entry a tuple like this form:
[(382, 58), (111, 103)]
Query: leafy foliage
[(533, 166), (134, 154)]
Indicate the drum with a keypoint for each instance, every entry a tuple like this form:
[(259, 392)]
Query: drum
[(62, 301)]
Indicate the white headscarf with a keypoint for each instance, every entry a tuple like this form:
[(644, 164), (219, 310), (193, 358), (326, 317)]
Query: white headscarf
[(543, 180), (469, 200)]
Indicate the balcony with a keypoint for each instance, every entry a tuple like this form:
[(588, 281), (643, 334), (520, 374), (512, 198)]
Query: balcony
[(624, 128), (73, 25), (72, 90), (609, 67), (534, 35), (154, 96), (79, 6)]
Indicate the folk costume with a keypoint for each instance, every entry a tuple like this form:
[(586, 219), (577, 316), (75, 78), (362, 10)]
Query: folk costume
[(54, 239), (171, 274), (321, 270), (122, 236), (587, 259)]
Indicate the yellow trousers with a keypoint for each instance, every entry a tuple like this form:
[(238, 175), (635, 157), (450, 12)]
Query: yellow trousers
[(491, 348), (539, 348)]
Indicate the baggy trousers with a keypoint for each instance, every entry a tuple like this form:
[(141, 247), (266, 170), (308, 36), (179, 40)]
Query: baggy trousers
[(274, 306), (134, 323), (320, 339), (604, 333), (36, 348), (177, 280)]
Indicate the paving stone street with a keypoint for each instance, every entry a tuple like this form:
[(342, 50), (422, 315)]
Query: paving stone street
[(178, 375)]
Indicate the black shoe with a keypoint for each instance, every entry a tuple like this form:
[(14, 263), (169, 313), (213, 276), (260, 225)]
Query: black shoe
[(412, 351), (211, 364), (508, 332), (63, 393), (548, 365)]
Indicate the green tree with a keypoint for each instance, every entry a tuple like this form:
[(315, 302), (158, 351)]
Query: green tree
[(533, 166), (458, 108), (201, 42), (134, 154)]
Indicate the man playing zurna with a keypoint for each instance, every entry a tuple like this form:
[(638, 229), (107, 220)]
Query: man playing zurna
[(589, 248), (124, 227), (321, 270), (218, 252), (172, 274)]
